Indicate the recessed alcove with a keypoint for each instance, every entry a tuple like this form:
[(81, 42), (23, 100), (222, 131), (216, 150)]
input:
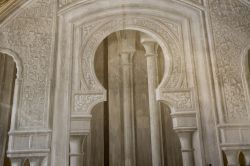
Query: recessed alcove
[(242, 160), (107, 124), (7, 82)]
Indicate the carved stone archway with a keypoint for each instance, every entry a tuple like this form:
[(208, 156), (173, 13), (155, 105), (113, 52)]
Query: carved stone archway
[(78, 90), (17, 80)]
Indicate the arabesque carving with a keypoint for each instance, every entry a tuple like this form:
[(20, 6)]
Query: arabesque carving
[(231, 31), (181, 100), (177, 70), (84, 102), (30, 35)]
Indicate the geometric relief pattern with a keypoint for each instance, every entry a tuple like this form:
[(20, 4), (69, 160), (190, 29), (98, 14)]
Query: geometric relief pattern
[(30, 35), (231, 32)]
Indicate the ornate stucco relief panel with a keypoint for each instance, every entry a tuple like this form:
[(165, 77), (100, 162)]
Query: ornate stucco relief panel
[(182, 100), (30, 35), (83, 103), (231, 32)]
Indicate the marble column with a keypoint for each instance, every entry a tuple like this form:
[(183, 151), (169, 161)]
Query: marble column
[(151, 48), (127, 58), (126, 42), (186, 139), (76, 150), (232, 157)]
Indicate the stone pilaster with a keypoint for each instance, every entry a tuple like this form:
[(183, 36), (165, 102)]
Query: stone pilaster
[(76, 150), (128, 106), (126, 42)]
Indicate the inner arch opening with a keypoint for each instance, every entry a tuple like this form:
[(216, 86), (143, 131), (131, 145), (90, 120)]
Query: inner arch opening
[(122, 69), (8, 73)]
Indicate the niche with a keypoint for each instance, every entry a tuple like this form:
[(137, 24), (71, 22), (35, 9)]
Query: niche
[(7, 82), (108, 127)]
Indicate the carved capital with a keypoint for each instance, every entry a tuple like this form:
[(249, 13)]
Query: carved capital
[(16, 161), (232, 157), (35, 161), (150, 45)]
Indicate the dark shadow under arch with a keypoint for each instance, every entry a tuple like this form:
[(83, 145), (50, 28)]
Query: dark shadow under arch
[(26, 163), (224, 158), (242, 159), (171, 142), (8, 73)]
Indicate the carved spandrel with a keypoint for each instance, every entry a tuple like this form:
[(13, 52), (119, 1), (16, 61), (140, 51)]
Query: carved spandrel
[(181, 100), (84, 102)]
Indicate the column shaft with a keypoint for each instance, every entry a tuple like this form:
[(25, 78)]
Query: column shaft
[(187, 148), (151, 48), (128, 107), (76, 152), (155, 120)]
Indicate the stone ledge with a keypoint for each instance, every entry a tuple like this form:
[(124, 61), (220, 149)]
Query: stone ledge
[(29, 141)]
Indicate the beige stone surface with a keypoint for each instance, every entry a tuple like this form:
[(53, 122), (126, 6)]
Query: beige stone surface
[(56, 113)]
